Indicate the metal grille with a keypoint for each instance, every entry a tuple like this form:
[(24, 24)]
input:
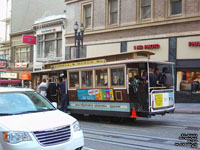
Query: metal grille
[(53, 136)]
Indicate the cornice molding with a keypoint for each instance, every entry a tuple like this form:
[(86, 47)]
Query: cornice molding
[(71, 1), (48, 24)]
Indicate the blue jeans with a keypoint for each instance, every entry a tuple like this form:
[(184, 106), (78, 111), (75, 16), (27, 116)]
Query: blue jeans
[(64, 102)]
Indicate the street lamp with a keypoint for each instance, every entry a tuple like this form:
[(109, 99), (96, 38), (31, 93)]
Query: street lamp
[(78, 37)]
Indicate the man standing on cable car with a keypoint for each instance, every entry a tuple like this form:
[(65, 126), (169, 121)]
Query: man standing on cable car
[(63, 94)]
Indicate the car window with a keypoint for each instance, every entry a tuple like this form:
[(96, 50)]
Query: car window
[(19, 102)]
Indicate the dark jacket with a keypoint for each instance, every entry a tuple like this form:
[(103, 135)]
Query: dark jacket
[(153, 80), (62, 88), (52, 89)]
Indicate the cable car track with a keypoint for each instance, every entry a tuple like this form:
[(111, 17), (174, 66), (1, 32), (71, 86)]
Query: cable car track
[(136, 141)]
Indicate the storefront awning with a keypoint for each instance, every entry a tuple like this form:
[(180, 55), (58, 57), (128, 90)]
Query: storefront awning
[(10, 81), (25, 76)]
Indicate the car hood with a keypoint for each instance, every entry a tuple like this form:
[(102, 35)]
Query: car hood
[(35, 121)]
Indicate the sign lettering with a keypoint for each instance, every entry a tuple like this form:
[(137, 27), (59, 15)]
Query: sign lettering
[(28, 39), (194, 44), (56, 66), (150, 46)]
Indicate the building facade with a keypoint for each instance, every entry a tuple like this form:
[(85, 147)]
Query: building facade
[(5, 20), (169, 28), (50, 45), (24, 14)]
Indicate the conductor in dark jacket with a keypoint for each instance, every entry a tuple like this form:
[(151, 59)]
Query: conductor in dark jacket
[(63, 94), (52, 91)]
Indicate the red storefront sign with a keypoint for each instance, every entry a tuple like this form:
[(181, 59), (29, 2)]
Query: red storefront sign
[(21, 65), (194, 44), (2, 70), (3, 64), (150, 46), (28, 39)]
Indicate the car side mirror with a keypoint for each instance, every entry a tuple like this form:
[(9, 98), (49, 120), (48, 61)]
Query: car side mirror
[(55, 104)]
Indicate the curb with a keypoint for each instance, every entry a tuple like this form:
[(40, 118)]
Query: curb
[(187, 112)]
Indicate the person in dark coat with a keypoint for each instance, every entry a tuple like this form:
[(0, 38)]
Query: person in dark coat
[(52, 91), (63, 94), (153, 79), (166, 78)]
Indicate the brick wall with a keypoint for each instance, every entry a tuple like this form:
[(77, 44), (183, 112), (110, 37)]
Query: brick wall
[(159, 9), (99, 14), (128, 12), (192, 7)]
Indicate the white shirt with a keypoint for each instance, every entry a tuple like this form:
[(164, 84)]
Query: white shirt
[(43, 88)]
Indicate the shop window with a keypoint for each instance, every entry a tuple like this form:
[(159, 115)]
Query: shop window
[(74, 79), (117, 77), (102, 77), (87, 78), (175, 7), (145, 9), (113, 11), (189, 81)]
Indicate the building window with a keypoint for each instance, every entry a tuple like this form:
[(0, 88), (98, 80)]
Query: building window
[(117, 77), (87, 15), (74, 79), (4, 54), (101, 78), (87, 78), (49, 48), (145, 9), (113, 11), (22, 55), (72, 52), (175, 7), (40, 42), (123, 46), (49, 45)]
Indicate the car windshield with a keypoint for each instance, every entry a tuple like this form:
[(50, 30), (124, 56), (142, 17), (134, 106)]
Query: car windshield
[(23, 102)]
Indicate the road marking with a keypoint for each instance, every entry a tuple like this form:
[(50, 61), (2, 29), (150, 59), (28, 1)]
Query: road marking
[(126, 145), (126, 134), (87, 148), (115, 127), (87, 134)]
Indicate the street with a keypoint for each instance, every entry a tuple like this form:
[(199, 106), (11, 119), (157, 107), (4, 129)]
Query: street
[(169, 132)]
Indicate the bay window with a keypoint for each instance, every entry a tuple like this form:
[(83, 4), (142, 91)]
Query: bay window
[(49, 45)]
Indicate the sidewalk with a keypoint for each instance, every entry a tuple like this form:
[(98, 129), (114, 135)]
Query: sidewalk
[(188, 108)]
